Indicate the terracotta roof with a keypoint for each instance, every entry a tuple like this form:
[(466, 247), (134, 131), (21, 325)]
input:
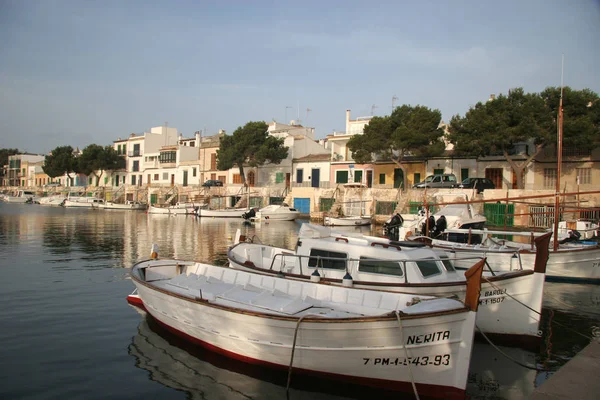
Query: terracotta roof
[(314, 157)]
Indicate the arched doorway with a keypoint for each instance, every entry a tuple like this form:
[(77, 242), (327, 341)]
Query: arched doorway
[(251, 178)]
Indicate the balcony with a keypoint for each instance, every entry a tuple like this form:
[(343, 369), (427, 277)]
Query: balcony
[(134, 153)]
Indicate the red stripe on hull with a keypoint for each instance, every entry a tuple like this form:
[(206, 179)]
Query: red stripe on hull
[(424, 390)]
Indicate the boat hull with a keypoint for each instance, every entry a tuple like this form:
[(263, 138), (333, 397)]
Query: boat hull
[(226, 213), (347, 221), (370, 352), (261, 216), (118, 206), (171, 210)]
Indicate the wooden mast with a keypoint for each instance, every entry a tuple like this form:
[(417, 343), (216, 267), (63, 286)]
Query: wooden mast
[(558, 157)]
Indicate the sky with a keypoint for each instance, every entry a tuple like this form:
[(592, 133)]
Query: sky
[(82, 72)]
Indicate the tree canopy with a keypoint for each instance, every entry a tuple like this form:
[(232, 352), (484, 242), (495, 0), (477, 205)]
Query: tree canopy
[(250, 145), (498, 125), (408, 131), (96, 159), (60, 161)]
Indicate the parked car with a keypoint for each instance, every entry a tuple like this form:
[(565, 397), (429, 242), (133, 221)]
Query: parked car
[(479, 183), (438, 181), (212, 182)]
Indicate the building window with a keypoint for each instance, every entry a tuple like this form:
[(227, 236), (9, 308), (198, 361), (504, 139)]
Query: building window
[(382, 179), (193, 171), (237, 178), (124, 179), (416, 177), (192, 144), (155, 177), (213, 161), (279, 177), (584, 176), (165, 176), (136, 166), (299, 175), (341, 176), (214, 176), (223, 179), (549, 178), (464, 174), (358, 176), (133, 179), (168, 157)]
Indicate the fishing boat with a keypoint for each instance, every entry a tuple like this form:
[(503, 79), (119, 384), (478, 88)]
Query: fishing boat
[(382, 339), (461, 215), (83, 202), (21, 196), (128, 205), (222, 213), (347, 221), (272, 212), (510, 302), (54, 200), (179, 208), (570, 262)]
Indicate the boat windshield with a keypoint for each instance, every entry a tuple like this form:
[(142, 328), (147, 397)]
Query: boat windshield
[(428, 268)]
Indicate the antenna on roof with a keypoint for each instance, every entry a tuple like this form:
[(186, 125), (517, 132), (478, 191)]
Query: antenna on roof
[(394, 98), (373, 107)]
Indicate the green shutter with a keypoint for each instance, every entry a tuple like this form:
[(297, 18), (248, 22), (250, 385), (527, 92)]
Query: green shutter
[(279, 177), (382, 179), (358, 176), (341, 177)]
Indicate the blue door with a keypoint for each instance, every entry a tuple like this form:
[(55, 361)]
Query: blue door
[(302, 204)]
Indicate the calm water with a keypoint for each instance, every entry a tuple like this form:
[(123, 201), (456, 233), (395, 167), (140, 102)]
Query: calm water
[(67, 331)]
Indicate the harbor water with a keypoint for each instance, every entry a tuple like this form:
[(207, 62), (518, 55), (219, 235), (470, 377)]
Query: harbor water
[(68, 332)]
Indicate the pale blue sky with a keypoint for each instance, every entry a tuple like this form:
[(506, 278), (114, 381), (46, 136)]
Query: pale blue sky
[(82, 72)]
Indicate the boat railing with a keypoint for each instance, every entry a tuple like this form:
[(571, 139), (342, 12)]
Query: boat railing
[(280, 258)]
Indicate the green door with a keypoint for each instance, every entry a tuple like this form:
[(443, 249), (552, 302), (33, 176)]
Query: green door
[(398, 178)]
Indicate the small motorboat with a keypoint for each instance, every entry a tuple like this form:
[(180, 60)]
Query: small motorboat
[(272, 212), (347, 221)]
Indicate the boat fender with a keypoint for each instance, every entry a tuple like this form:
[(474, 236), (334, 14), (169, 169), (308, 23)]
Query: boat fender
[(315, 276), (347, 280), (154, 252)]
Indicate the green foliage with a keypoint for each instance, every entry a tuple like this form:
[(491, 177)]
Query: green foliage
[(96, 158), (60, 161), (497, 125), (581, 115), (250, 145), (410, 130)]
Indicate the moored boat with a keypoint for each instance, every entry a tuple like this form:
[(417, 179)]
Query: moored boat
[(510, 302), (222, 213), (179, 208), (21, 196), (272, 212), (382, 339), (128, 205), (347, 221)]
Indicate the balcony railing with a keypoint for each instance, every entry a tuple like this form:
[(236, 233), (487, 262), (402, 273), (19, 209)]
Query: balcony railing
[(134, 153)]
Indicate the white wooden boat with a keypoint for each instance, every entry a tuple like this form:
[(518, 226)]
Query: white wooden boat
[(83, 202), (272, 212), (347, 221), (450, 216), (128, 205), (55, 200), (382, 339), (222, 213), (572, 262), (378, 263), (179, 208), (22, 196)]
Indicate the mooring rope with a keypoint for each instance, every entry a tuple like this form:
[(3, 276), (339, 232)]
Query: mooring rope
[(289, 378), (412, 379), (507, 356)]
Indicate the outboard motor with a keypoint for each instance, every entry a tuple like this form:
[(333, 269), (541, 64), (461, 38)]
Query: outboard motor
[(572, 236), (440, 225), (391, 228), (249, 214), (429, 226)]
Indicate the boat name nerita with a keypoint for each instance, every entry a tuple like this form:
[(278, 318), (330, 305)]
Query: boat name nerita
[(440, 359), (429, 337)]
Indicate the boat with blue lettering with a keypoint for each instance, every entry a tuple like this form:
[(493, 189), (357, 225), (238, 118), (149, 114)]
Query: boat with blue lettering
[(414, 343), (511, 302)]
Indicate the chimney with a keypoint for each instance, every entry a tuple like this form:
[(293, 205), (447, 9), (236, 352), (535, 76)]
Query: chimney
[(347, 121)]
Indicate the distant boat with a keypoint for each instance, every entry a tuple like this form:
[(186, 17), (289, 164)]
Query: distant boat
[(222, 213), (179, 208), (347, 221), (128, 205), (22, 196), (272, 212), (55, 200)]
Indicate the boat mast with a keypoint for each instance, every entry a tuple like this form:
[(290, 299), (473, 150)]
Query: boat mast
[(559, 155)]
